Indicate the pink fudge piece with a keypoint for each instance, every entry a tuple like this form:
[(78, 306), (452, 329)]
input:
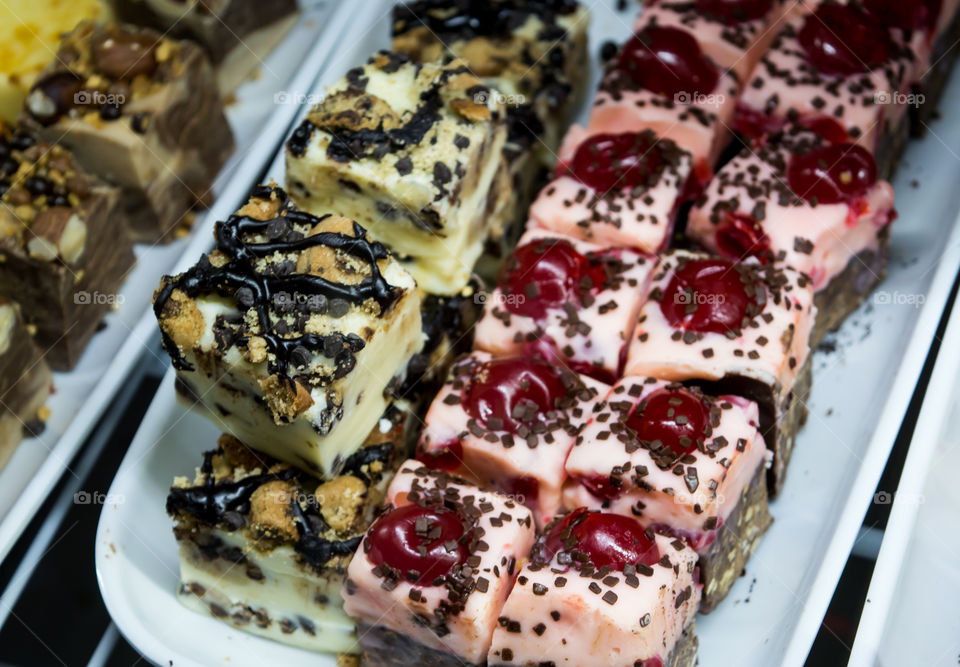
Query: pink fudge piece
[(587, 327), (457, 611), (637, 214), (750, 209), (520, 458), (568, 612), (787, 84), (684, 477)]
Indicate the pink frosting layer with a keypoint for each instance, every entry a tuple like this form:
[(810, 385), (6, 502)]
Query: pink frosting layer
[(608, 319), (576, 626), (820, 240), (508, 534), (771, 349), (511, 465), (694, 500)]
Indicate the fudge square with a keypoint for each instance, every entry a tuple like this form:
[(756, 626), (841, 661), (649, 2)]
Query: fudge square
[(566, 300), (141, 111), (601, 590), (433, 571), (738, 328), (410, 151), (64, 249), (776, 202), (835, 63), (508, 423), (682, 463), (290, 331), (616, 189), (25, 379), (264, 546)]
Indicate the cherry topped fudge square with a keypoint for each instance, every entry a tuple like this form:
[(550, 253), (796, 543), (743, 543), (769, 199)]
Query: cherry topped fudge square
[(433, 571), (682, 463), (616, 189), (568, 301), (739, 328), (775, 201), (290, 332), (508, 423), (601, 590)]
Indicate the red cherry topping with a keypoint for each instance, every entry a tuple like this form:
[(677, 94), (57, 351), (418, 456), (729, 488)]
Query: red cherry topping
[(674, 417), (411, 538), (732, 12), (708, 295), (844, 40), (504, 393), (753, 124), (668, 61), (905, 14), (832, 173), (616, 161), (740, 236), (524, 490), (608, 540), (827, 127), (603, 487), (547, 274), (447, 457)]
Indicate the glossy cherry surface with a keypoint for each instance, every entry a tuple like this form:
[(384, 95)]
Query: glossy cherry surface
[(833, 173), (504, 393), (448, 456), (669, 61), (608, 540), (706, 295), (675, 417), (905, 14), (411, 538), (733, 12), (844, 40), (609, 162), (739, 236)]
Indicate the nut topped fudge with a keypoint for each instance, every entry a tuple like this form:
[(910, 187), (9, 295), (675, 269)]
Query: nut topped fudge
[(508, 423), (601, 590), (616, 189), (837, 63), (682, 463), (290, 331), (740, 328), (25, 380), (433, 571), (776, 201), (139, 110), (410, 151), (568, 301), (64, 249), (265, 546)]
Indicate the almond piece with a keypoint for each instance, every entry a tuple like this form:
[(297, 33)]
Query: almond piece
[(57, 231)]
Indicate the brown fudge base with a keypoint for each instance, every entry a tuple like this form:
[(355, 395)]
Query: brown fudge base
[(722, 563), (943, 56), (849, 288), (893, 141), (384, 647), (25, 382)]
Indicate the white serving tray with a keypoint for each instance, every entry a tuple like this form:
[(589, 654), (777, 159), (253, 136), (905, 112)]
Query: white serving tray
[(861, 391), (912, 608), (260, 117)]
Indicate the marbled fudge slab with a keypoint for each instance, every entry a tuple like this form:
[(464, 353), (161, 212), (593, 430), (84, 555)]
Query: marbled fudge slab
[(290, 332), (25, 379), (774, 201), (836, 62), (661, 80), (738, 328), (568, 301), (433, 571), (237, 35), (616, 189), (411, 152), (681, 462), (142, 112), (265, 547), (508, 424), (64, 249), (601, 590)]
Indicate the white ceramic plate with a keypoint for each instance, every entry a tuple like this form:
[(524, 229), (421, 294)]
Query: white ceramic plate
[(860, 393), (259, 122)]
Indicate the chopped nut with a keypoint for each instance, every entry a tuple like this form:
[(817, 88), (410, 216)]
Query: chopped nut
[(57, 231), (471, 110), (256, 349)]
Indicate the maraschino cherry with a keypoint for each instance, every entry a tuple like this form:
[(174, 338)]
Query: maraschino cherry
[(448, 456), (707, 295), (668, 61), (832, 173), (415, 539), (733, 12), (608, 540), (504, 393), (844, 40), (674, 417), (609, 162), (739, 236), (905, 14)]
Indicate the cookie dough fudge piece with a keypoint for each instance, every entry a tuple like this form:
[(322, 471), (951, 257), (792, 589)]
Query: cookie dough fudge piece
[(141, 111), (411, 152), (289, 333)]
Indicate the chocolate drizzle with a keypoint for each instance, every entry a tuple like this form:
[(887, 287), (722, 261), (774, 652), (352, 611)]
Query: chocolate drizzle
[(468, 19)]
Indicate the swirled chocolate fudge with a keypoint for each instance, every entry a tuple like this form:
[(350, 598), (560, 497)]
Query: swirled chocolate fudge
[(139, 110), (289, 333), (410, 151)]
